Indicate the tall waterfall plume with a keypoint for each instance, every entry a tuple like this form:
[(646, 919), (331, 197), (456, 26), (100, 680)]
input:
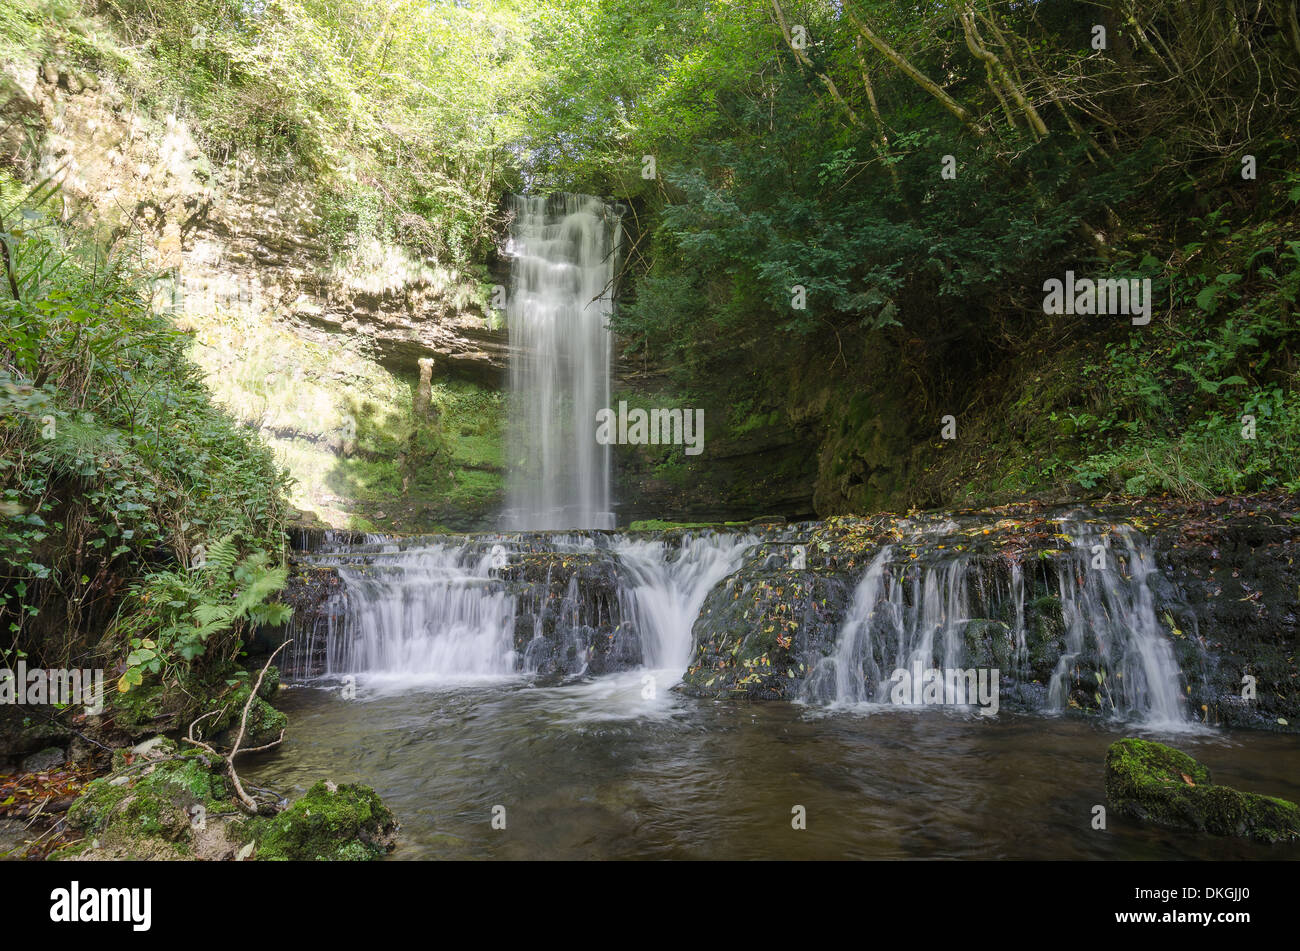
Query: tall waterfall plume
[(563, 250)]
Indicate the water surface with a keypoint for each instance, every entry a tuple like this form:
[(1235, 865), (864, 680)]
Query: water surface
[(596, 770)]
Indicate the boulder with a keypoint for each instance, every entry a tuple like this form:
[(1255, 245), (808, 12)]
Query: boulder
[(1154, 783), (328, 823), (52, 757)]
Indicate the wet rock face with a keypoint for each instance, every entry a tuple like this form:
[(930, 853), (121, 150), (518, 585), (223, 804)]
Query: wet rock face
[(1154, 783), (568, 616), (1038, 630), (1051, 598), (1230, 580), (763, 629), (314, 592)]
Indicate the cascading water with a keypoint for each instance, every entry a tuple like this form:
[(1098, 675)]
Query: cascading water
[(564, 252), (1110, 620), (483, 606), (1099, 638), (666, 593), (418, 612)]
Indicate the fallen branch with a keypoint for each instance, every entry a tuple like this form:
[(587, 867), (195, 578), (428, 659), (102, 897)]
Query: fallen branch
[(245, 800)]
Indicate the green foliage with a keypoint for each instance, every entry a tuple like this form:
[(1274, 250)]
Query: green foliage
[(823, 171), (1210, 405), (404, 111), (173, 617), (113, 459)]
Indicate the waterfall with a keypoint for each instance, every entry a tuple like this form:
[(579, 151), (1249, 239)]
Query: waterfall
[(416, 612), (938, 608), (497, 605), (666, 594), (1064, 610), (1110, 620), (563, 251)]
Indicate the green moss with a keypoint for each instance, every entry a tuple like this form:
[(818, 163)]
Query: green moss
[(91, 812), (1044, 630), (989, 643), (154, 708), (658, 525), (141, 709), (264, 721), (137, 808), (344, 823), (1157, 784)]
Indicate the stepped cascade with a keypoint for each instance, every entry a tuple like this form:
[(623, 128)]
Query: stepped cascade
[(1078, 620), (955, 611), (482, 606)]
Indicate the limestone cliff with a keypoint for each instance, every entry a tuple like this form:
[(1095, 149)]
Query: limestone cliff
[(314, 345)]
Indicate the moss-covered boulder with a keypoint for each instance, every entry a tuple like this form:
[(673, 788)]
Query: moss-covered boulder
[(165, 804), (1154, 783), (761, 631), (265, 723), (328, 823), (162, 802)]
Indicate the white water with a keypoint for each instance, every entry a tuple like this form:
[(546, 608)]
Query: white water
[(899, 617), (433, 612), (441, 612), (1112, 615), (563, 252), (667, 593), (416, 612)]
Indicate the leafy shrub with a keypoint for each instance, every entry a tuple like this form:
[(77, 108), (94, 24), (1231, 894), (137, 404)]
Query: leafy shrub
[(114, 462), (172, 615)]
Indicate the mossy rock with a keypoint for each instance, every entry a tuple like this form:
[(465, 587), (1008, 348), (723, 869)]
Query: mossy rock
[(1155, 783), (167, 809), (989, 643), (150, 709), (264, 726), (761, 631), (265, 723), (1044, 635), (347, 823)]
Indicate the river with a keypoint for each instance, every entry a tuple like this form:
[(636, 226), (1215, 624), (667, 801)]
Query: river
[(593, 770)]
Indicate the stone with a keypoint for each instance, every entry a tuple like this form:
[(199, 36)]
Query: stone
[(1154, 783), (52, 757)]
